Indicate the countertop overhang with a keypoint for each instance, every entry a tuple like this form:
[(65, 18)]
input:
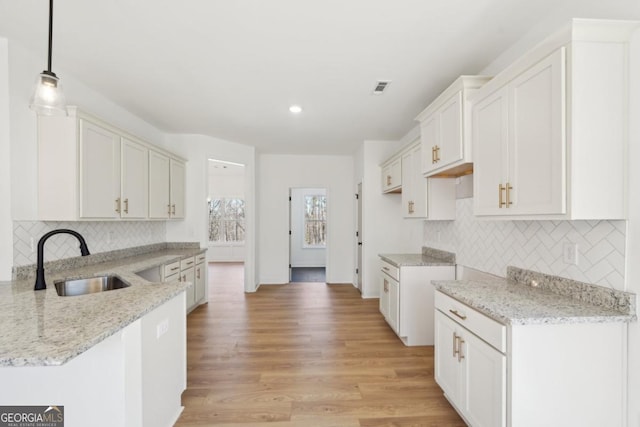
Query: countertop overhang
[(40, 328)]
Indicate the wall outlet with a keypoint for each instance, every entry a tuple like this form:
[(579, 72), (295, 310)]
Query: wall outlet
[(162, 328), (570, 253)]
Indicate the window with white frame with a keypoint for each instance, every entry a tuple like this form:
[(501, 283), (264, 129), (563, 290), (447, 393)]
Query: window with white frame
[(315, 221), (226, 220)]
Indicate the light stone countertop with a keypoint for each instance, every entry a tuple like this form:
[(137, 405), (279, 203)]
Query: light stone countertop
[(428, 257), (513, 302), (43, 329)]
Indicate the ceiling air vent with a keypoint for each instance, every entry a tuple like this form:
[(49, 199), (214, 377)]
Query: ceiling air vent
[(381, 86)]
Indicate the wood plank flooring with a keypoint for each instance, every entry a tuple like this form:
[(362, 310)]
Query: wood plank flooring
[(303, 354)]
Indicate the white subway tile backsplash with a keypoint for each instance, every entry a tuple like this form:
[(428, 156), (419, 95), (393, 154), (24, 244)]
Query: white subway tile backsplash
[(101, 236), (491, 245)]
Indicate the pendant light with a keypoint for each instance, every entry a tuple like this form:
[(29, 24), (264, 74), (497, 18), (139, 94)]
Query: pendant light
[(48, 98)]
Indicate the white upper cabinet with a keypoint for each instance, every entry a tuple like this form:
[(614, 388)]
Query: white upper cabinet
[(428, 198), (90, 170), (99, 172), (392, 175), (549, 132), (166, 187), (135, 180), (445, 129), (520, 163), (177, 188)]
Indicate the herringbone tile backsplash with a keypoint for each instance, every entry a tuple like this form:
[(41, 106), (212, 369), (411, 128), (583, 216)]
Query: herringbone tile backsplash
[(491, 245), (101, 236)]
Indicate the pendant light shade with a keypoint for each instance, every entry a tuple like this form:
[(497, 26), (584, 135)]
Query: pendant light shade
[(48, 98)]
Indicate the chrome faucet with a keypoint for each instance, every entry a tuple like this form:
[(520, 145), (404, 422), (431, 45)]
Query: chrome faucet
[(84, 250)]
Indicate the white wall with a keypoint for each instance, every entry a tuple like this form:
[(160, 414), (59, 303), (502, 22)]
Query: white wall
[(301, 256), (633, 230), (197, 149), (276, 175), (6, 230), (380, 215)]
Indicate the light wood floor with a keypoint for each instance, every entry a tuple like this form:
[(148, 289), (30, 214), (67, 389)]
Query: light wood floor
[(304, 354)]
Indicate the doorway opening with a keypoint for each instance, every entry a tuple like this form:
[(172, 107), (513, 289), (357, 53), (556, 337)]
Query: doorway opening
[(226, 212), (307, 234)]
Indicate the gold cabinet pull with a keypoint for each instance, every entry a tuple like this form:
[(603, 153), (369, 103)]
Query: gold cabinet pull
[(168, 209), (455, 344), (388, 180), (460, 355), (410, 208), (386, 286), (437, 154), (455, 312), (126, 206), (173, 209), (508, 189), (433, 154), (198, 273), (118, 205), (501, 203)]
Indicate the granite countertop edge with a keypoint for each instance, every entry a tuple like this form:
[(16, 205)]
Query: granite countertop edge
[(43, 329), (428, 258), (511, 303)]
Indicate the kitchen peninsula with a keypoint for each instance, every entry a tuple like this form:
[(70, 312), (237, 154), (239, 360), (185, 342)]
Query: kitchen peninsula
[(119, 352)]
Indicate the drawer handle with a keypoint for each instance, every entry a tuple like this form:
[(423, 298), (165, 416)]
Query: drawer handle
[(461, 316), (175, 268), (190, 262), (385, 268)]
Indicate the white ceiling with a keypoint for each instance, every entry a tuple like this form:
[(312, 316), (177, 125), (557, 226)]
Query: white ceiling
[(231, 68)]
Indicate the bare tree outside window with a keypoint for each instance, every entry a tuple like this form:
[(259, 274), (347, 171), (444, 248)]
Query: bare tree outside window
[(315, 220), (226, 220)]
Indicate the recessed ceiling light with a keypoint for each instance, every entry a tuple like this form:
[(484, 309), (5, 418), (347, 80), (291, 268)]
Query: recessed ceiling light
[(295, 109)]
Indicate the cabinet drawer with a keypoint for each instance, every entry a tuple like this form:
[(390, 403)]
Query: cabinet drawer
[(487, 329), (200, 258), (187, 262), (170, 269), (390, 269)]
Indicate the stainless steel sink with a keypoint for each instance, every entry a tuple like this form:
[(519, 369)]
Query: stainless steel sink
[(70, 288)]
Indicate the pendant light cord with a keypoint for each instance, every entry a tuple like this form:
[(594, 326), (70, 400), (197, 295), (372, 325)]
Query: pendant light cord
[(50, 34)]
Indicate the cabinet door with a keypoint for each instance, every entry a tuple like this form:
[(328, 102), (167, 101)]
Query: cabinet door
[(418, 185), (394, 306), (446, 365), (392, 176), (177, 191), (429, 132), (408, 190), (201, 281), (384, 296), (484, 382), (159, 206), (135, 180), (537, 139), (490, 155), (188, 275), (99, 172), (450, 148)]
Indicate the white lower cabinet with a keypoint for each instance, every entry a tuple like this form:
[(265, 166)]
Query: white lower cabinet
[(406, 300), (201, 278), (531, 375), (471, 373)]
